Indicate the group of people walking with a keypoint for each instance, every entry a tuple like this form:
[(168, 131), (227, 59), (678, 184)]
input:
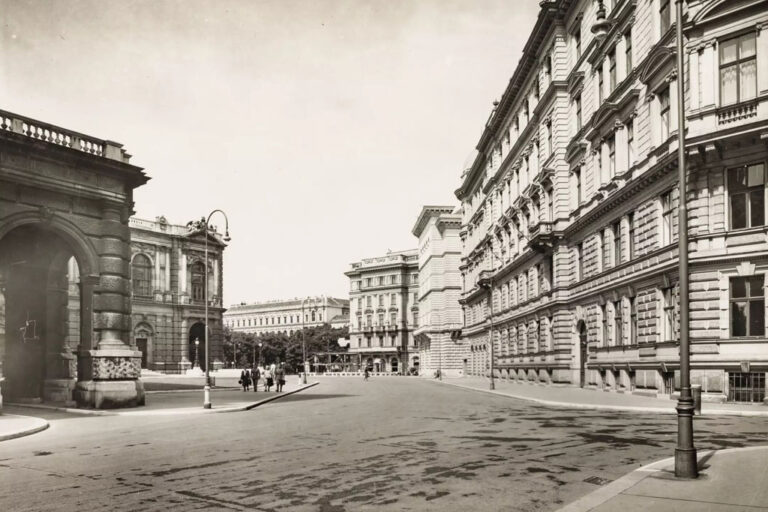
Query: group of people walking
[(273, 375)]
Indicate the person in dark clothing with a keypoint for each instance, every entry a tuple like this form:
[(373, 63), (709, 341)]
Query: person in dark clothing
[(279, 378), (245, 379), (255, 376)]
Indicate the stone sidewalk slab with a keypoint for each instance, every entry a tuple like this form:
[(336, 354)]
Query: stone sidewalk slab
[(578, 398), (14, 425), (730, 480), (186, 402)]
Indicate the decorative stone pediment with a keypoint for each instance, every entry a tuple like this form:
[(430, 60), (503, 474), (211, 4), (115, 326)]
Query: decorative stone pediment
[(658, 64)]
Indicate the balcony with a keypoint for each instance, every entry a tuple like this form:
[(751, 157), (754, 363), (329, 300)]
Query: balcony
[(737, 112), (542, 236)]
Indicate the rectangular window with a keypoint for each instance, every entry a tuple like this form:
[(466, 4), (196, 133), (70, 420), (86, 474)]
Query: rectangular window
[(577, 176), (747, 306), (393, 299), (631, 236), (580, 259), (368, 301), (630, 144), (628, 51), (612, 70), (738, 69), (616, 243), (549, 139), (746, 192), (670, 320), (632, 321), (665, 14), (666, 218), (618, 324), (578, 112), (577, 42), (664, 114), (746, 387), (599, 86), (612, 156), (604, 318)]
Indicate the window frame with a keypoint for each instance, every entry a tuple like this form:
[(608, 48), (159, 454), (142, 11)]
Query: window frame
[(747, 192), (737, 64), (748, 299), (665, 115), (629, 64)]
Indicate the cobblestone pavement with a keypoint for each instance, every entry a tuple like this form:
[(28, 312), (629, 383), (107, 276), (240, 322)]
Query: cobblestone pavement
[(345, 445)]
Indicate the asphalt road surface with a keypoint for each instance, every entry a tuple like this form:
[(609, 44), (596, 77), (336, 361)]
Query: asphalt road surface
[(346, 445)]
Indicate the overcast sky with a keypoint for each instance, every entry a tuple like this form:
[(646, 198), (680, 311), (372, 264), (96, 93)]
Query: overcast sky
[(320, 126)]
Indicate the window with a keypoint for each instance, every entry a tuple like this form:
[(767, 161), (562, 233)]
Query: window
[(359, 303), (393, 318), (746, 189), (549, 138), (577, 185), (632, 321), (666, 218), (580, 259), (368, 300), (577, 42), (628, 51), (367, 281), (141, 276), (381, 300), (578, 112), (599, 86), (738, 69), (665, 15), (381, 318), (630, 143), (380, 280), (669, 317), (631, 236), (746, 387), (612, 156), (618, 324), (612, 70), (616, 243), (747, 306), (664, 114), (392, 299), (198, 280), (368, 321), (604, 319)]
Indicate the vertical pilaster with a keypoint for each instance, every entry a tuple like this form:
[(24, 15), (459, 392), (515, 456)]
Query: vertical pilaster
[(762, 58)]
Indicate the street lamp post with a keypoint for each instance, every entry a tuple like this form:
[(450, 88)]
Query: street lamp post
[(197, 350), (489, 285), (260, 344), (205, 223), (685, 453), (303, 345)]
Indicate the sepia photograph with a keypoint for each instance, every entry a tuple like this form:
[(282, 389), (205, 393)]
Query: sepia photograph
[(383, 255)]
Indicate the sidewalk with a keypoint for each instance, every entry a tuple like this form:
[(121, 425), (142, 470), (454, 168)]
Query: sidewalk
[(729, 480), (13, 426), (578, 398), (187, 401)]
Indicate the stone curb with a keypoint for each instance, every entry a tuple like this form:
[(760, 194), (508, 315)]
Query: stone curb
[(602, 495), (39, 425), (607, 407), (164, 412), (197, 390)]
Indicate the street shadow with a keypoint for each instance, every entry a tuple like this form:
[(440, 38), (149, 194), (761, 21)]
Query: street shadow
[(298, 397)]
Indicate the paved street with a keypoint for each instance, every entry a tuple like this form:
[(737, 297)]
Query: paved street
[(387, 444)]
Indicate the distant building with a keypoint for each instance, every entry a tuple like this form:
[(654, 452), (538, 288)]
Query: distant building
[(384, 311), (285, 316), (440, 315), (340, 321), (168, 294)]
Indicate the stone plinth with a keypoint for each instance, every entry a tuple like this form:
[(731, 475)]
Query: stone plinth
[(109, 379)]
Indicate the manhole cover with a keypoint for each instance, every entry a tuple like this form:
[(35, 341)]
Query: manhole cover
[(597, 480)]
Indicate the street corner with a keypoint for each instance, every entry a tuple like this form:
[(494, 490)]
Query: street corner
[(13, 426)]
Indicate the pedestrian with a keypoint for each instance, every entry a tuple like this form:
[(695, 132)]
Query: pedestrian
[(267, 379), (279, 378), (245, 378), (255, 376), (365, 374)]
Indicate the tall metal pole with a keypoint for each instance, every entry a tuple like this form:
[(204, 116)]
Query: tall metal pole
[(207, 388), (303, 346), (685, 453), (490, 303)]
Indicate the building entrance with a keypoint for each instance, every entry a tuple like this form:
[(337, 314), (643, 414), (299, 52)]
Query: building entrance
[(197, 345)]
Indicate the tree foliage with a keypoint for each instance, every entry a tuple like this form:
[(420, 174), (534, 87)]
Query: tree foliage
[(277, 348)]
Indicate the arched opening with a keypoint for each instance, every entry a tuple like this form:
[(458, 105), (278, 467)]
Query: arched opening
[(142, 336), (40, 315), (141, 276), (581, 328), (197, 345), (394, 365)]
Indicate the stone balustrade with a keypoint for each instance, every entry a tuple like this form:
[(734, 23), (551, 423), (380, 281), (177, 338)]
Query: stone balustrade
[(52, 134)]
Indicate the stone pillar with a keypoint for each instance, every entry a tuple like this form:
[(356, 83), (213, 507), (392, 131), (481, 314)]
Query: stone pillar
[(2, 333), (60, 362), (109, 373), (156, 277)]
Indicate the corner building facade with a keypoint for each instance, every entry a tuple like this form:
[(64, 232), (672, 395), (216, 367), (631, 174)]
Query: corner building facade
[(570, 208), (384, 311)]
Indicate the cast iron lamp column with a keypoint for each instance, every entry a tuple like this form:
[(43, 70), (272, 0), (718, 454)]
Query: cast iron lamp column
[(685, 453), (207, 388)]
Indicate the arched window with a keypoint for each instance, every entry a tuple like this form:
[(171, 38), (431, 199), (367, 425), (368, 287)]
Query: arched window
[(141, 276), (198, 281), (313, 316)]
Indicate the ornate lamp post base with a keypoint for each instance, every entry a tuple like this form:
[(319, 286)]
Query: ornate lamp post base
[(207, 396)]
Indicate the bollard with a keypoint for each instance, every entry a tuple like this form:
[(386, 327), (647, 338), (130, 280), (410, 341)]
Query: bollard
[(696, 394)]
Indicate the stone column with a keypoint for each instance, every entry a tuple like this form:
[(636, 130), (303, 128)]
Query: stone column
[(2, 332), (110, 372), (60, 367)]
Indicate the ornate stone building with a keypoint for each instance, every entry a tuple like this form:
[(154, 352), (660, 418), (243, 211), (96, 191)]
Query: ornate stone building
[(65, 201), (384, 311), (285, 316), (168, 294), (570, 208), (440, 316)]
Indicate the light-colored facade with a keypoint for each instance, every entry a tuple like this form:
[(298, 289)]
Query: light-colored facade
[(440, 315), (570, 209), (168, 294), (383, 310), (285, 316)]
